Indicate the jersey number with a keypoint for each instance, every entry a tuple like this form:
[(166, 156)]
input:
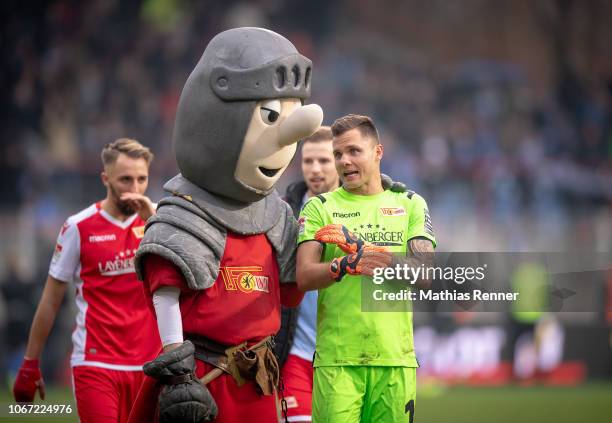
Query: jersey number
[(410, 409)]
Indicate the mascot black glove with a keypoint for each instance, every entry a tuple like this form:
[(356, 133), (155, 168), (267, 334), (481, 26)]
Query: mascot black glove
[(183, 398), (388, 183)]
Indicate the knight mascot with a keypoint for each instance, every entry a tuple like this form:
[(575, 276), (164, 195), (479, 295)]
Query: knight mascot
[(218, 258)]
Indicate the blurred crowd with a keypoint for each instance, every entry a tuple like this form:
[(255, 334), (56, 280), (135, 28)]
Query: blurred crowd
[(507, 161)]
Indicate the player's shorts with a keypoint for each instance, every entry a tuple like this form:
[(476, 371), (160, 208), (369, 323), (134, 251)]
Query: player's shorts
[(235, 403), (297, 378), (104, 395), (352, 394)]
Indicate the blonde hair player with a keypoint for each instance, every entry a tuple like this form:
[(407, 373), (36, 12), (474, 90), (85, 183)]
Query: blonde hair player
[(95, 253)]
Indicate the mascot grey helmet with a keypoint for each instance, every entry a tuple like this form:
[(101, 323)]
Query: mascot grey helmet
[(238, 68)]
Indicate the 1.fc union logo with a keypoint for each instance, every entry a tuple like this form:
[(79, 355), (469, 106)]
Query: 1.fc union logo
[(393, 211), (244, 278)]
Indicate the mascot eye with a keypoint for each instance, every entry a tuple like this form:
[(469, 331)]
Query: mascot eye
[(270, 111)]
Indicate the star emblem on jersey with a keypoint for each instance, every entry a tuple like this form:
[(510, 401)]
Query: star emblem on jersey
[(378, 235), (121, 264)]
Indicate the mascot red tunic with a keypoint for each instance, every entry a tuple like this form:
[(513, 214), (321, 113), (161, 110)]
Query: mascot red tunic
[(219, 257)]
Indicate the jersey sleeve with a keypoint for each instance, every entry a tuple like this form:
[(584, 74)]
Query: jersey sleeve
[(310, 220), (159, 272), (419, 221), (66, 254)]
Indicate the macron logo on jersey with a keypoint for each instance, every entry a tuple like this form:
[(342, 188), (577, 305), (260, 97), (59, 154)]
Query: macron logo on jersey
[(102, 238), (346, 215)]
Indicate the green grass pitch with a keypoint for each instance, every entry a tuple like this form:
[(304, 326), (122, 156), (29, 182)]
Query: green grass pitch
[(588, 403)]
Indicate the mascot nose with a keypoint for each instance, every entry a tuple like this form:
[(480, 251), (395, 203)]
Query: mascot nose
[(304, 121)]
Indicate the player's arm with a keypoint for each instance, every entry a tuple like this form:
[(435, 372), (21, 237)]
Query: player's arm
[(363, 258), (420, 254), (421, 241), (48, 306), (311, 273), (63, 266), (29, 378)]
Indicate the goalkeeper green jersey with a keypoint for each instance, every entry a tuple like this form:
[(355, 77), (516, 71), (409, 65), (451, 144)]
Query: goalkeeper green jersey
[(347, 336)]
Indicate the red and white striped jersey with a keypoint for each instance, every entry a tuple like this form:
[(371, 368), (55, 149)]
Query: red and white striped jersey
[(115, 327)]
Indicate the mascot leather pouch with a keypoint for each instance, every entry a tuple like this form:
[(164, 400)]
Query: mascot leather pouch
[(257, 363)]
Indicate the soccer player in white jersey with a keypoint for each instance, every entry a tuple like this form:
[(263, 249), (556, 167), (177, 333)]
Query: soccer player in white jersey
[(95, 254)]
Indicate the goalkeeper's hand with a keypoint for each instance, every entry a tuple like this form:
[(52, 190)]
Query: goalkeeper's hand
[(344, 239), (363, 262)]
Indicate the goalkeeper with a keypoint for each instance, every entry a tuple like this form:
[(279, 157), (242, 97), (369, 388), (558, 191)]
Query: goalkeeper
[(365, 365)]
